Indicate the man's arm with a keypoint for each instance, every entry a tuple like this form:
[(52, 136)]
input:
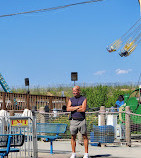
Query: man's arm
[(116, 106), (83, 107), (71, 108)]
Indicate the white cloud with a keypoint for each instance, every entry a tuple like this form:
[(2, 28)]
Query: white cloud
[(100, 72), (119, 71)]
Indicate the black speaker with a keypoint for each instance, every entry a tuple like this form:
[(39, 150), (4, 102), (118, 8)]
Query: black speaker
[(74, 76), (26, 81)]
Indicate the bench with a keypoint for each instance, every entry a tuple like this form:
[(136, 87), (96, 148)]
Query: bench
[(8, 142), (50, 128)]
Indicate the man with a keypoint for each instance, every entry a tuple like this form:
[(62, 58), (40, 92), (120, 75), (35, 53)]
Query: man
[(119, 102), (77, 105)]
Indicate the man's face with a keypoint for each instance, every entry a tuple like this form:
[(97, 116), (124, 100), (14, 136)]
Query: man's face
[(120, 98), (75, 92)]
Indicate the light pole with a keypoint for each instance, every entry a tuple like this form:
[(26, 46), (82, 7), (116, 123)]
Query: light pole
[(27, 94)]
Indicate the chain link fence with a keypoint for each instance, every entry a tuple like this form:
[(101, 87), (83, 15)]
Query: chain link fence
[(91, 119), (103, 127), (117, 127), (135, 129)]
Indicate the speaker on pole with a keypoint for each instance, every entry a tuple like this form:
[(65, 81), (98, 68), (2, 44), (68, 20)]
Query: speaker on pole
[(74, 76), (26, 81)]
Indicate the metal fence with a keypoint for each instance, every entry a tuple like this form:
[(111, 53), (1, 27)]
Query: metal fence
[(116, 127), (20, 125), (135, 128), (127, 125), (104, 126)]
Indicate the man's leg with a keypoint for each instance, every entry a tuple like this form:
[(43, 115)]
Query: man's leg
[(85, 142), (73, 130), (83, 130), (80, 138), (73, 143)]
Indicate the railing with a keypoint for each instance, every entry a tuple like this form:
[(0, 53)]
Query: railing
[(17, 101), (127, 126)]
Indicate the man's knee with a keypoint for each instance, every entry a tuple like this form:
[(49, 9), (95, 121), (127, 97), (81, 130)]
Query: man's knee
[(84, 136), (73, 137)]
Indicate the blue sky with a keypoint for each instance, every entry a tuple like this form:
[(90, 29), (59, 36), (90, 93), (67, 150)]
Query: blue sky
[(48, 46)]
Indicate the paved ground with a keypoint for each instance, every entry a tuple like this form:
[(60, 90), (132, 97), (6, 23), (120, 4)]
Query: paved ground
[(62, 149)]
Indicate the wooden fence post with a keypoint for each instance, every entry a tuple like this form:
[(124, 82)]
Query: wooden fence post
[(41, 115), (102, 120), (12, 113), (127, 126), (3, 100), (50, 103), (67, 99)]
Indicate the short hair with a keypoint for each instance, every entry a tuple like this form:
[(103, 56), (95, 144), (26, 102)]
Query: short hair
[(77, 88), (121, 96)]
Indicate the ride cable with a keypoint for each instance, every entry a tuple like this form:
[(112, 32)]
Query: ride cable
[(50, 9)]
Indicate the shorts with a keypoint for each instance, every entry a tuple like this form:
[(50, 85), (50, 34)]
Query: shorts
[(76, 125)]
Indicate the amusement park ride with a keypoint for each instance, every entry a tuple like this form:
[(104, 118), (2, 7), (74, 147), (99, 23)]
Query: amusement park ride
[(4, 84), (127, 43), (132, 100)]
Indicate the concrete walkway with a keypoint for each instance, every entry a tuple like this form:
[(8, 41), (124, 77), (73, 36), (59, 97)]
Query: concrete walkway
[(62, 149)]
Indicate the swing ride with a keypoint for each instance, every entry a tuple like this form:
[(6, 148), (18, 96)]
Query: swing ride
[(129, 41)]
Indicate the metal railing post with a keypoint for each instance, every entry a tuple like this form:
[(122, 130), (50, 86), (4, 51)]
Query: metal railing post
[(35, 146)]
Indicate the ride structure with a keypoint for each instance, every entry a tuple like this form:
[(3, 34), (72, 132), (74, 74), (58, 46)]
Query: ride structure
[(4, 85), (132, 100), (129, 41)]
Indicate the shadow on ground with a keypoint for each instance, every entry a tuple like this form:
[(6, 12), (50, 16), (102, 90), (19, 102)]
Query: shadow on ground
[(102, 156), (55, 151)]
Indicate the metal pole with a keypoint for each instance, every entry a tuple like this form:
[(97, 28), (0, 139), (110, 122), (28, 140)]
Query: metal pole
[(28, 90), (51, 147), (35, 146), (27, 100), (139, 93)]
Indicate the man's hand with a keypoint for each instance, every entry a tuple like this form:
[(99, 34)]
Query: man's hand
[(71, 108), (82, 108), (75, 108)]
